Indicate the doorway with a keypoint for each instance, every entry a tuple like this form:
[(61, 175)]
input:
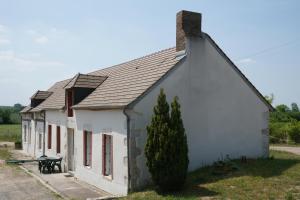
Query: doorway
[(70, 144)]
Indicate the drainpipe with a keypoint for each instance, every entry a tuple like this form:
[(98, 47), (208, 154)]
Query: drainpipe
[(34, 149), (44, 134), (128, 146), (21, 131)]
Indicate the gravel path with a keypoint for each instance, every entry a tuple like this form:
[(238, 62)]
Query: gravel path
[(295, 150)]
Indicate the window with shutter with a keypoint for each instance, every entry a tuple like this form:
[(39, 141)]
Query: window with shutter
[(58, 139), (107, 155), (87, 148), (49, 136), (70, 103)]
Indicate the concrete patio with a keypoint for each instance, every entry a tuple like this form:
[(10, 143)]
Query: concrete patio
[(62, 184)]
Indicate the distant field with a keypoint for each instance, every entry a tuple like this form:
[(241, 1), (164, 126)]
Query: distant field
[(10, 132)]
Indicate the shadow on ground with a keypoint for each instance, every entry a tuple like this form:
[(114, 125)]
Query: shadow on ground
[(265, 168)]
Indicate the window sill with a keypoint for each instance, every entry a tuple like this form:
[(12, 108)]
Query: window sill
[(87, 167), (109, 178)]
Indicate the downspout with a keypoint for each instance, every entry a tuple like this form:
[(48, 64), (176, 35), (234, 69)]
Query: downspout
[(128, 147), (21, 131), (34, 149), (44, 134)]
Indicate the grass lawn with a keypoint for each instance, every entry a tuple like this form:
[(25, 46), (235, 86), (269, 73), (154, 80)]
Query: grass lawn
[(10, 132), (277, 178), (4, 154)]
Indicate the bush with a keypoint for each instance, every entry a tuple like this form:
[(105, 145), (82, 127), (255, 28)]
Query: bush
[(294, 133), (279, 132), (166, 147)]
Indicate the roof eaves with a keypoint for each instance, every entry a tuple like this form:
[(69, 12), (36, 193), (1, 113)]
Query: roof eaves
[(98, 107)]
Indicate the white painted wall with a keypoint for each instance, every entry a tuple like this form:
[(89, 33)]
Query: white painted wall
[(221, 114), (28, 144), (39, 132), (56, 118), (111, 122)]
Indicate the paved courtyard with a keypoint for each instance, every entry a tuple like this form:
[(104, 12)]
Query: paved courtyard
[(16, 184), (61, 183)]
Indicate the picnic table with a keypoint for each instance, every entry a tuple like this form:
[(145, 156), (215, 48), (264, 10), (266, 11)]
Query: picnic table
[(49, 163)]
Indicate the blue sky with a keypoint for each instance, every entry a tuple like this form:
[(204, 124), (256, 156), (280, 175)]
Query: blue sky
[(42, 42)]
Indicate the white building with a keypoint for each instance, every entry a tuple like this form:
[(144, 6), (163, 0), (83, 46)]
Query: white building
[(97, 121)]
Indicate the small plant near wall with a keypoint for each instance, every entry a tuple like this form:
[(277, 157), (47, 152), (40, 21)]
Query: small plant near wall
[(166, 149)]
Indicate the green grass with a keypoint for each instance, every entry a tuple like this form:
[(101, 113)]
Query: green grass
[(10, 132), (277, 178), (4, 154)]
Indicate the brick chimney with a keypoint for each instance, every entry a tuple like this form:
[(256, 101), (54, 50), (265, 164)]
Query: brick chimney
[(188, 24)]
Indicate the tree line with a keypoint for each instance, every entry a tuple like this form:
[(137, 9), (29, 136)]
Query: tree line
[(10, 114), (284, 123)]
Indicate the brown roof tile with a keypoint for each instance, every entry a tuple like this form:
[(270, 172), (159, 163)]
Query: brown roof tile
[(85, 81), (123, 83), (41, 95)]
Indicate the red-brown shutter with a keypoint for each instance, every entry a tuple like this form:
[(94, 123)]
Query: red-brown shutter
[(49, 136), (111, 155), (58, 139), (84, 148), (103, 154), (70, 103), (91, 148)]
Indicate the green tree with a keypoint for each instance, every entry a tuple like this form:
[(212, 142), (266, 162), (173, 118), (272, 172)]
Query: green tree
[(18, 107), (166, 159), (6, 116), (178, 147), (294, 107), (270, 98), (283, 108)]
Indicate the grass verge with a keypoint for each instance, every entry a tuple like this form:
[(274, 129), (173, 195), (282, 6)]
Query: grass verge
[(10, 132), (4, 154), (277, 178)]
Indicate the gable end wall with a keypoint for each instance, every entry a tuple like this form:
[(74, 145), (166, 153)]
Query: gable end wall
[(222, 115)]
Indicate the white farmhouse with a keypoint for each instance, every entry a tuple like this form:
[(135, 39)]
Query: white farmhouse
[(97, 121)]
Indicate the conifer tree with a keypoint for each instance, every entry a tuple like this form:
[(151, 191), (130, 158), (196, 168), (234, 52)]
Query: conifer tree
[(166, 146)]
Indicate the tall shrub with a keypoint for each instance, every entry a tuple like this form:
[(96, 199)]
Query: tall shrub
[(166, 146), (179, 147)]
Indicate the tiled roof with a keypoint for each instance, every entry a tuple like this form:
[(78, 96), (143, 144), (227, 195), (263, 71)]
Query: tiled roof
[(41, 95), (124, 83), (26, 109), (127, 81), (56, 100), (85, 81)]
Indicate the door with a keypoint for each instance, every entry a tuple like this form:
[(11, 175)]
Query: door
[(70, 143)]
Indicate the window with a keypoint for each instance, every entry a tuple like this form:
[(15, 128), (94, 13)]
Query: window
[(70, 103), (107, 155), (29, 135), (40, 140), (87, 148), (58, 139), (25, 133), (49, 136)]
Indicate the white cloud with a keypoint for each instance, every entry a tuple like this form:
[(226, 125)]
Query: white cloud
[(4, 41), (3, 28), (13, 62), (31, 32), (41, 39), (245, 61)]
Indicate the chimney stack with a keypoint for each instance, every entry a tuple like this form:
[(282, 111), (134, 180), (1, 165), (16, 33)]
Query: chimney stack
[(188, 24)]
